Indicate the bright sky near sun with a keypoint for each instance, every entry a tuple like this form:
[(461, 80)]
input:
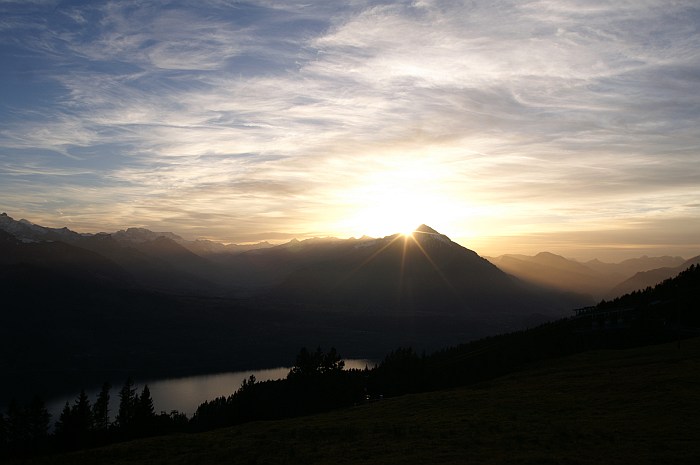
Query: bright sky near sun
[(512, 126)]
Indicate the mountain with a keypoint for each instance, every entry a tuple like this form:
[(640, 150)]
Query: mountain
[(555, 271), (152, 260), (629, 267), (644, 279), (138, 301), (30, 232), (422, 272), (595, 278), (24, 262)]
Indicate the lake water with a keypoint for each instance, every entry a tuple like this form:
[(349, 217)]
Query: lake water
[(186, 394)]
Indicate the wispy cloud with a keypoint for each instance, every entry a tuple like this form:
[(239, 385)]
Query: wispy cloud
[(246, 118)]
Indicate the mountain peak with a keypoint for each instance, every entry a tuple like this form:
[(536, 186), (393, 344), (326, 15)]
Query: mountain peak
[(425, 229)]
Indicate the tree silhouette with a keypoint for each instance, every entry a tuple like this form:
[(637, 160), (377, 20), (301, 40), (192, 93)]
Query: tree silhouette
[(74, 427), (38, 419), (3, 436), (127, 407), (63, 426), (144, 413), (313, 364), (100, 411), (16, 424), (82, 414)]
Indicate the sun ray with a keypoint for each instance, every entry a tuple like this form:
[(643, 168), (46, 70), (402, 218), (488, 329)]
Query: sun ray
[(433, 264), (367, 260)]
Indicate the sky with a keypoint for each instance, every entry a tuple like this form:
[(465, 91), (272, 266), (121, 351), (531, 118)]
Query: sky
[(510, 126)]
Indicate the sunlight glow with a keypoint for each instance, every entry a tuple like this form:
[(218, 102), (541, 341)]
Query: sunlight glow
[(398, 196)]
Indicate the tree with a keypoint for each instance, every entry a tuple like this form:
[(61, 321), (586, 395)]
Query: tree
[(247, 384), (38, 419), (331, 362), (312, 364), (74, 427), (100, 411), (63, 426), (127, 406), (82, 415), (16, 425), (145, 412), (3, 436)]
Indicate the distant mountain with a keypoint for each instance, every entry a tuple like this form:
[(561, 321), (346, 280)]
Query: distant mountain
[(203, 248), (555, 271), (154, 260), (37, 264), (26, 231), (649, 278), (627, 268), (595, 278)]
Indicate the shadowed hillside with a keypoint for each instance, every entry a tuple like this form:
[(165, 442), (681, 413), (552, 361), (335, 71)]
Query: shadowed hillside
[(612, 407)]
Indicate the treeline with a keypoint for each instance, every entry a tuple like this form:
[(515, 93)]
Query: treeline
[(318, 381), (25, 429)]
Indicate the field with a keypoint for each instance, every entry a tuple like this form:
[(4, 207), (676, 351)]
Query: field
[(614, 407)]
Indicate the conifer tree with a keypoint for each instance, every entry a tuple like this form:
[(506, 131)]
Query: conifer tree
[(3, 436), (100, 410), (127, 406), (63, 426), (16, 424), (145, 412), (82, 414), (38, 419), (145, 403)]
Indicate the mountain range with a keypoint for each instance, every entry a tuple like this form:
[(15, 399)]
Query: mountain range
[(597, 279), (138, 301)]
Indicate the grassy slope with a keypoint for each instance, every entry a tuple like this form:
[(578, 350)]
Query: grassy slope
[(633, 406)]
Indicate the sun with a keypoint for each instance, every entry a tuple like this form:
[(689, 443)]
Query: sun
[(396, 194)]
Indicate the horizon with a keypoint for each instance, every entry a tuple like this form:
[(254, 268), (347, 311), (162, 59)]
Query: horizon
[(511, 127), (610, 258)]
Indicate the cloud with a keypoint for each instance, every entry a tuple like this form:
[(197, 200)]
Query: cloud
[(538, 115)]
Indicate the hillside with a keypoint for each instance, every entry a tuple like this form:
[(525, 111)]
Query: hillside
[(613, 407)]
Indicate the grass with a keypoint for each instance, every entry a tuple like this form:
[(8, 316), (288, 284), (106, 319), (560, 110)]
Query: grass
[(636, 406)]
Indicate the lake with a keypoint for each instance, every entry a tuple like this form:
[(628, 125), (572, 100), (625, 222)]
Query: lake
[(187, 393)]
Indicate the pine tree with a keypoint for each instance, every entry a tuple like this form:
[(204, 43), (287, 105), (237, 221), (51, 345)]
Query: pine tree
[(144, 414), (82, 417), (127, 406), (3, 436), (38, 419), (100, 410), (145, 404), (16, 424), (64, 426)]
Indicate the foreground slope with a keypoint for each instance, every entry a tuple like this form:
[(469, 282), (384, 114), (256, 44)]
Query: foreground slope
[(614, 407)]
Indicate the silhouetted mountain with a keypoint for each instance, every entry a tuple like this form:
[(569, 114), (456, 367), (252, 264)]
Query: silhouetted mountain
[(555, 271), (146, 258), (645, 279), (56, 261), (595, 278), (423, 272), (30, 232), (138, 300), (629, 267)]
